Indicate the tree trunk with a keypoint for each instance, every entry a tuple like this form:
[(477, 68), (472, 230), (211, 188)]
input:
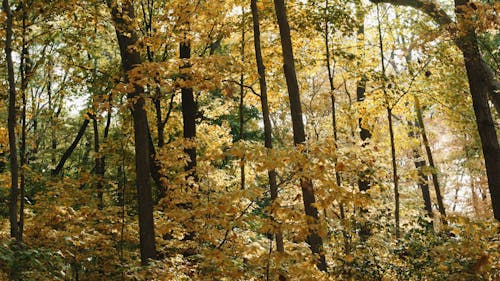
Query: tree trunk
[(395, 177), (313, 239), (53, 140), (97, 165), (70, 149), (25, 71), (415, 130), (127, 38), (188, 112), (422, 180), (268, 142), (160, 127), (11, 123), (388, 107), (102, 163), (478, 84), (334, 125), (428, 151), (155, 167), (242, 99), (365, 135)]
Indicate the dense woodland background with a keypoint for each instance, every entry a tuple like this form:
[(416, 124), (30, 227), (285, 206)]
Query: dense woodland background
[(249, 140)]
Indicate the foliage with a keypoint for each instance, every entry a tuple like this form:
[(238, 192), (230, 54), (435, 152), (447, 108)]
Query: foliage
[(81, 224)]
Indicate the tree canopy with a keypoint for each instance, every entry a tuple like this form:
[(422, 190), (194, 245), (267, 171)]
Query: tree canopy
[(249, 140)]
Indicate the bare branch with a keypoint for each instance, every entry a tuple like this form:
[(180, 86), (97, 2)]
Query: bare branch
[(426, 6)]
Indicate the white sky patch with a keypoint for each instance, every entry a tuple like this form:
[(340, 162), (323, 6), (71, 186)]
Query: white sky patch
[(76, 104)]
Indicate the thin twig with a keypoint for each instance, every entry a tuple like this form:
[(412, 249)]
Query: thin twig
[(246, 86)]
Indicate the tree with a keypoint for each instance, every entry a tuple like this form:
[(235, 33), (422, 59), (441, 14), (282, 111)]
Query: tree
[(425, 139), (123, 17), (268, 141), (313, 239), (12, 120), (420, 163), (389, 106), (316, 177), (480, 87), (481, 83), (188, 109), (364, 133)]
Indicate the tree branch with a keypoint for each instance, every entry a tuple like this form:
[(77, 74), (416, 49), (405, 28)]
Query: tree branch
[(72, 147), (433, 10), (245, 86), (426, 6)]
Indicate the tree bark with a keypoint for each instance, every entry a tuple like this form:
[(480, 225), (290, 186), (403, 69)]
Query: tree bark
[(419, 162), (188, 112), (388, 107), (155, 168), (123, 18), (25, 71), (479, 89), (314, 239), (97, 166), (364, 183), (242, 99), (395, 177), (268, 141), (11, 123), (160, 127), (53, 140), (331, 72), (428, 151), (102, 162), (70, 149)]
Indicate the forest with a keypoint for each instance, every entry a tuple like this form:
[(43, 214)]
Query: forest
[(249, 140)]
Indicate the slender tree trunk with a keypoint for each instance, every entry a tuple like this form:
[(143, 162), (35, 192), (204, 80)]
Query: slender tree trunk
[(422, 180), (156, 99), (365, 135), (268, 142), (23, 162), (242, 99), (127, 37), (474, 195), (102, 166), (53, 140), (189, 122), (188, 112), (479, 89), (415, 130), (97, 165), (428, 151), (314, 239), (70, 149), (159, 122), (155, 168), (395, 178), (160, 126), (391, 130), (334, 125), (11, 123), (25, 71)]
